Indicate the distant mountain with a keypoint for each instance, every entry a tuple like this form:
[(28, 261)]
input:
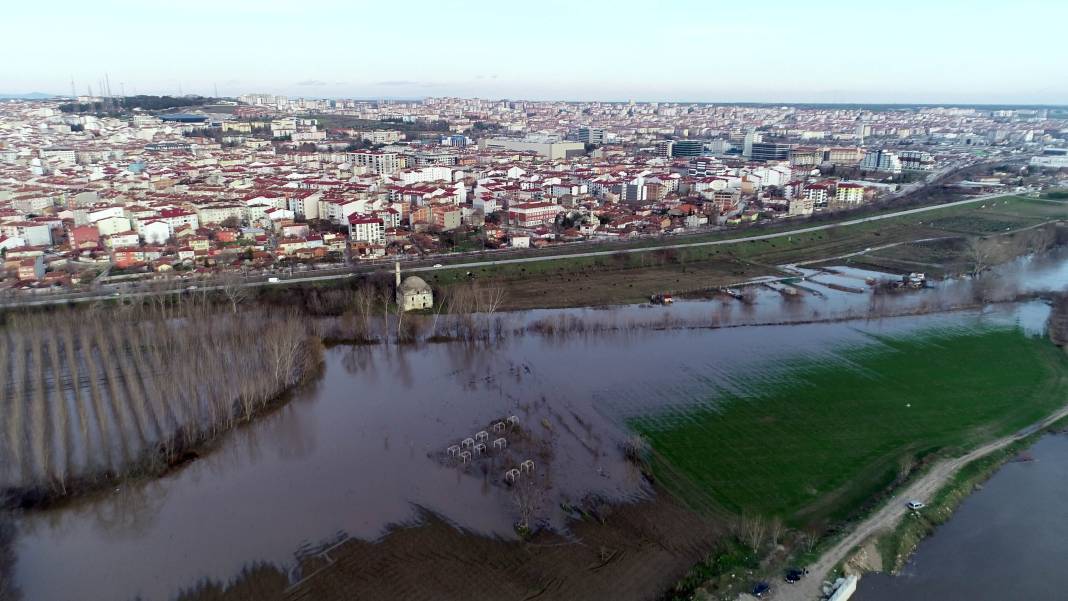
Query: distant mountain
[(30, 96)]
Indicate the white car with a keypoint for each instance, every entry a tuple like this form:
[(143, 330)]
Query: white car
[(915, 505), (438, 265)]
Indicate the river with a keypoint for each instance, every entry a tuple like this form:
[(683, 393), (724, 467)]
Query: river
[(1006, 541), (364, 448)]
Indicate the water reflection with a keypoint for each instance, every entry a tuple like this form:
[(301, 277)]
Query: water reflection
[(356, 452)]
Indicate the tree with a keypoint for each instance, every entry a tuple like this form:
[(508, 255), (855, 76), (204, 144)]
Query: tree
[(753, 531), (528, 496), (776, 528), (981, 254), (234, 287)]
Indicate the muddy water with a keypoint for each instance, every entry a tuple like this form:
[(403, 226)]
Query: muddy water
[(1007, 541), (361, 449)]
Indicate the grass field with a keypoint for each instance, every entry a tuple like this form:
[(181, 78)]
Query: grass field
[(814, 442)]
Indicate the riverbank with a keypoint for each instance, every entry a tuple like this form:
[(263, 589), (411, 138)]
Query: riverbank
[(1010, 526), (946, 482), (896, 546)]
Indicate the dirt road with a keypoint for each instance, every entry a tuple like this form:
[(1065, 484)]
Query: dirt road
[(808, 589)]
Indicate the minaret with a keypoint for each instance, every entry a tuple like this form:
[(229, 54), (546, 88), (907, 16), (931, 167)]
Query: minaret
[(396, 264)]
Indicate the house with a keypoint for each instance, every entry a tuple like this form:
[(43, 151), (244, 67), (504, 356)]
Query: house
[(122, 240), (85, 236), (849, 195), (155, 231), (7, 243), (126, 257), (34, 233), (801, 206), (414, 293), (31, 269), (532, 214)]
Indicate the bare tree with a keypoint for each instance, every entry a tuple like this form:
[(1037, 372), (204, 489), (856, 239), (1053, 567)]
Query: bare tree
[(528, 496), (753, 531), (493, 297), (981, 254), (234, 288), (776, 528)]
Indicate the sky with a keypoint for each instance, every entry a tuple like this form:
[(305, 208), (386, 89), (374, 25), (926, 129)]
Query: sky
[(909, 51)]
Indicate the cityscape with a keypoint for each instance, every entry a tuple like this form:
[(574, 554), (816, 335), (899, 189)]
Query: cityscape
[(96, 191), (689, 301)]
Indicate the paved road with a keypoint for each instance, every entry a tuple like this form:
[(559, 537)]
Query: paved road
[(111, 291), (923, 489)]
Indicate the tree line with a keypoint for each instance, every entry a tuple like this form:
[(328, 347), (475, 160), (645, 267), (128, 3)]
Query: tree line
[(91, 396)]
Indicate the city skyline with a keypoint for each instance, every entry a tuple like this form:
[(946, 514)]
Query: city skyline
[(691, 52)]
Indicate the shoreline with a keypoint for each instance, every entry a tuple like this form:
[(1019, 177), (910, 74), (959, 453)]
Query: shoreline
[(899, 544), (940, 484)]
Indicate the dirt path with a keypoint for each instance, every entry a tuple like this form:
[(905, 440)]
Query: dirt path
[(808, 589)]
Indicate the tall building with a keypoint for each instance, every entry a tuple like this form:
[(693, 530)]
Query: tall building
[(806, 156), (881, 160), (591, 135), (664, 148), (769, 151), (863, 131), (687, 148), (916, 160), (751, 137)]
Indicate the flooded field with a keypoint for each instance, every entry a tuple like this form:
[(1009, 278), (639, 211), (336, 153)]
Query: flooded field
[(377, 441), (1006, 541)]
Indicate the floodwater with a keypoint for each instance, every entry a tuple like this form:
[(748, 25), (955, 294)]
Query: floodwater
[(364, 448), (1007, 541)]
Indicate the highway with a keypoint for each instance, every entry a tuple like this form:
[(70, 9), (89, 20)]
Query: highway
[(119, 290)]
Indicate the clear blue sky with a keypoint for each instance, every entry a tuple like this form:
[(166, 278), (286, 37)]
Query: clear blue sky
[(774, 50)]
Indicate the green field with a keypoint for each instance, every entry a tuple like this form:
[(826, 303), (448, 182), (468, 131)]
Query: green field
[(818, 439), (717, 265)]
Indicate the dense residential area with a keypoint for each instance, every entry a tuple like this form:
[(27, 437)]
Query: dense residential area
[(97, 189), (550, 301)]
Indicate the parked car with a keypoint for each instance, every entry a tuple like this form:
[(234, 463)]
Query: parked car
[(761, 589), (795, 574), (915, 505)]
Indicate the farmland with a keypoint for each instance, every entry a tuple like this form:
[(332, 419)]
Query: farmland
[(813, 442)]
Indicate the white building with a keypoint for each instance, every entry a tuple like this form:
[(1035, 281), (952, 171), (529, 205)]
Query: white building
[(364, 228), (801, 206), (881, 160), (154, 231), (547, 148)]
